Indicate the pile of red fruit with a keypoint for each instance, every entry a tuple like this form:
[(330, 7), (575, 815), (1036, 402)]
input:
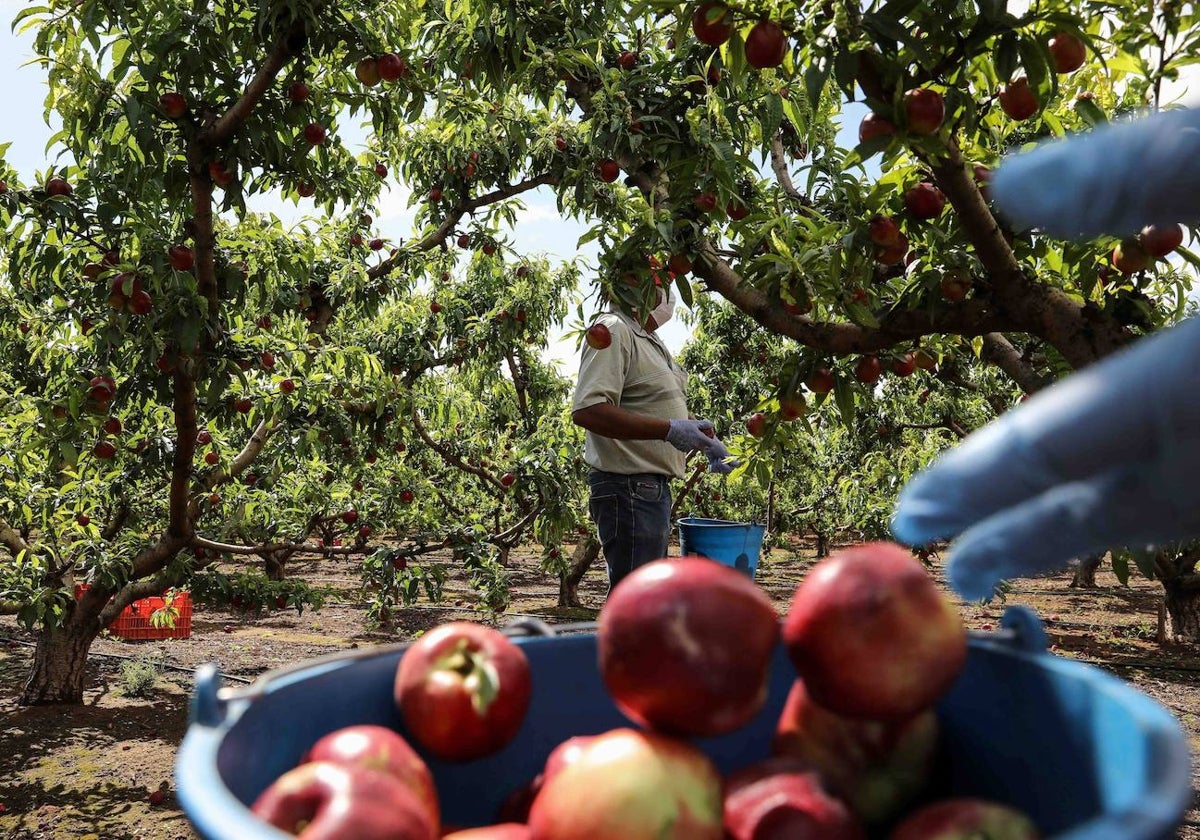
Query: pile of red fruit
[(874, 644)]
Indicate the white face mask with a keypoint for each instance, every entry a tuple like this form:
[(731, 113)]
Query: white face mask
[(665, 309)]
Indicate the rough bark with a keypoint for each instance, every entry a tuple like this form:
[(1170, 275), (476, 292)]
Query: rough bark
[(1181, 598), (60, 658), (585, 554), (1085, 572)]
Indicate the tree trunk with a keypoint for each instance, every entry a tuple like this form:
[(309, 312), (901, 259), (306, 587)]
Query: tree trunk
[(1085, 572), (1183, 613), (586, 552), (822, 545), (1176, 568), (273, 565), (60, 661)]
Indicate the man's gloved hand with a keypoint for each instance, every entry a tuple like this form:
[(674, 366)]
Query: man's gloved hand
[(1108, 457), (718, 458), (690, 435)]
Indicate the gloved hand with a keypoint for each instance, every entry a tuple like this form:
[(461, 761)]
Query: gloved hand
[(718, 458), (690, 435), (1112, 180), (1106, 458)]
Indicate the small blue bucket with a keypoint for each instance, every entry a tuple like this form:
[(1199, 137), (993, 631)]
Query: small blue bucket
[(735, 544)]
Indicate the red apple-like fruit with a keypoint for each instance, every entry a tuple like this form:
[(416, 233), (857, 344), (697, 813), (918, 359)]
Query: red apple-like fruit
[(756, 425), (924, 201), (350, 516), (211, 458), (1018, 100), (462, 690), (500, 831), (627, 60), (631, 785), (781, 799), (599, 336), (314, 134), (792, 407), (379, 748), (58, 187), (173, 105), (102, 388), (684, 646), (766, 45), (873, 126), (904, 365), (83, 520), (243, 405), (1129, 257), (607, 170), (435, 194), (104, 450), (894, 253), (821, 381), (508, 479), (872, 636), (306, 189), (367, 72), (1068, 52), (298, 92), (219, 173), (883, 231), (876, 767), (868, 369), (326, 800), (181, 257), (204, 436), (381, 171), (1160, 240), (966, 819), (112, 426), (705, 202), (955, 284), (390, 66), (924, 110), (712, 23)]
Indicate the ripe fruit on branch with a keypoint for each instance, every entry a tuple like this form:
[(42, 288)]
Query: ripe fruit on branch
[(599, 336), (1068, 52), (894, 253), (821, 381), (306, 189), (924, 201), (873, 126), (868, 369), (219, 174), (463, 690), (83, 520), (766, 45), (508, 479), (627, 60), (607, 170), (1018, 100), (737, 210), (376, 244), (112, 426), (904, 365), (872, 636), (181, 257), (1160, 240), (955, 284), (173, 105), (58, 187), (464, 241), (792, 407), (314, 133), (391, 67), (712, 23), (298, 92), (102, 388), (705, 202), (104, 450), (435, 194), (204, 437), (883, 231), (350, 516), (211, 458), (924, 110), (666, 648), (381, 170), (679, 263), (756, 425), (1129, 257), (367, 72), (243, 404)]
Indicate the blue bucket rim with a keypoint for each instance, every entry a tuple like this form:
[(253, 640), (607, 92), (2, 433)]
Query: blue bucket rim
[(701, 522)]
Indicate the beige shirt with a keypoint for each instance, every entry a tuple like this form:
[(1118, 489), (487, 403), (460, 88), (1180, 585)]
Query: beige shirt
[(636, 373)]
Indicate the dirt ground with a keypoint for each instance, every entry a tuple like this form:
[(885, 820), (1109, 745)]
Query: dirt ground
[(87, 773)]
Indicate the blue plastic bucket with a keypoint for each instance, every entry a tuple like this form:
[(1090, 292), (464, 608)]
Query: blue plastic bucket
[(1086, 755), (736, 544)]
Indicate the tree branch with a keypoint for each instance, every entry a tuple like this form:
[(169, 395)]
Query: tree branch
[(12, 540), (969, 318), (999, 351), (509, 538), (116, 522), (780, 168), (439, 234), (232, 120), (448, 456)]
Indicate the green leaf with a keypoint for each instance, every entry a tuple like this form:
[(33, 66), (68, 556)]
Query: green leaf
[(1145, 563), (685, 291), (843, 394), (1120, 566), (1005, 57), (814, 81), (1090, 112)]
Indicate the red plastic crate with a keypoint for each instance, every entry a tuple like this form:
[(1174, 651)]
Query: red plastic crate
[(133, 624)]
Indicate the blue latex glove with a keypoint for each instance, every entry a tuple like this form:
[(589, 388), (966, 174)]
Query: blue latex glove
[(1108, 457), (1112, 180), (718, 458), (690, 435)]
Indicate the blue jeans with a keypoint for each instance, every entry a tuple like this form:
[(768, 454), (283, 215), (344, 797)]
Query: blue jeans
[(633, 517)]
